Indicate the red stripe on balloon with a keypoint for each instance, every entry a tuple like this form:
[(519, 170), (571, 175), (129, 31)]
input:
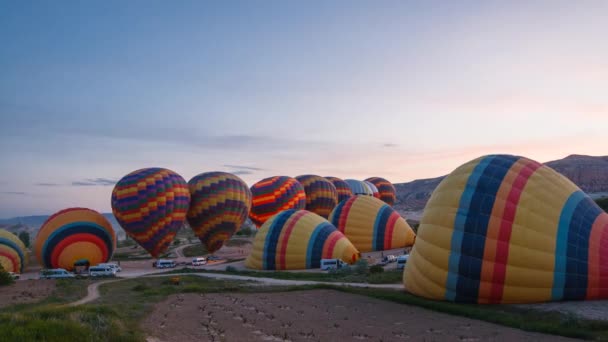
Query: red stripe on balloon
[(82, 237), (283, 247)]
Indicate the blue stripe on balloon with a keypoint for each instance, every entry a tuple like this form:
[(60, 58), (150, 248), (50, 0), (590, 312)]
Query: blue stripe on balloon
[(380, 227), (272, 238), (85, 227), (17, 249), (314, 251)]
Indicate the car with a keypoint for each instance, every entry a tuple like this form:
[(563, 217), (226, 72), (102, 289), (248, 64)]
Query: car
[(402, 260), (102, 271), (14, 275), (56, 273), (112, 265), (332, 264), (165, 263), (199, 261), (213, 257)]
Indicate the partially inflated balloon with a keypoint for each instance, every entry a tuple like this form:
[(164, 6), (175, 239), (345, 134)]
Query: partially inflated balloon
[(298, 239), (507, 229), (321, 194), (386, 189), (274, 194), (371, 225), (151, 206), (342, 187), (13, 254), (219, 206), (358, 187), (73, 234), (373, 189)]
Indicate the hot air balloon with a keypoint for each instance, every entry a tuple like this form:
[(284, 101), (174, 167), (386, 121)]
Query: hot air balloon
[(371, 225), (13, 254), (373, 189), (298, 239), (321, 194), (507, 229), (219, 206), (358, 187), (386, 189), (342, 187), (274, 194), (74, 234), (151, 205)]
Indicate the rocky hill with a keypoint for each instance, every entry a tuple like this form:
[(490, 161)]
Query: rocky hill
[(589, 173)]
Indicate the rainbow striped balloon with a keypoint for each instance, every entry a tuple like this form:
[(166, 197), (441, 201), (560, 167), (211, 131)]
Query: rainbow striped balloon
[(13, 254), (371, 225), (274, 194), (219, 206), (151, 205), (342, 187), (386, 189), (298, 239), (73, 234), (507, 229), (358, 187), (321, 194), (373, 189)]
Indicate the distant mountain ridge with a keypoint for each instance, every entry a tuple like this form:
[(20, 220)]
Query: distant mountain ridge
[(32, 224), (587, 172)]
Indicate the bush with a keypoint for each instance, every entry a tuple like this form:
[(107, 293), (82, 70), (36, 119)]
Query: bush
[(231, 269), (376, 269), (361, 266), (5, 278)]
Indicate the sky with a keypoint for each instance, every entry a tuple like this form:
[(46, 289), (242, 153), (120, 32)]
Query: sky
[(90, 91)]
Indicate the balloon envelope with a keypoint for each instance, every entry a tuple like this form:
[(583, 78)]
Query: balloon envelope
[(321, 194), (342, 187), (298, 239), (373, 189), (151, 205), (274, 194), (507, 229), (219, 206), (386, 190), (13, 254), (358, 187), (371, 225), (73, 234)]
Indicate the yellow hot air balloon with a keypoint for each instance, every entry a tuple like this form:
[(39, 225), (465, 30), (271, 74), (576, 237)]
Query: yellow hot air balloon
[(298, 239), (507, 229), (371, 225), (13, 254)]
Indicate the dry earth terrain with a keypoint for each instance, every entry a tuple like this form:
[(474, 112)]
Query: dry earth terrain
[(319, 315), (26, 291)]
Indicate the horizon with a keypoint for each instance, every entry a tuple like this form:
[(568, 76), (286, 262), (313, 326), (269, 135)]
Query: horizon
[(405, 91)]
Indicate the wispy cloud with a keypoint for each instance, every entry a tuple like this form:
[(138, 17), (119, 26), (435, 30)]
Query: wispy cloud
[(241, 172), (47, 184), (389, 145), (95, 182), (241, 167), (17, 193)]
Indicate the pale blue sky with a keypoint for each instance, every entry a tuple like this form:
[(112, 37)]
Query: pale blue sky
[(401, 89)]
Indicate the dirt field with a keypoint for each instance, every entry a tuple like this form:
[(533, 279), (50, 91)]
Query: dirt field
[(319, 315), (26, 291)]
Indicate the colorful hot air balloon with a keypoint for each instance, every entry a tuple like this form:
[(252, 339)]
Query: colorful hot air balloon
[(507, 229), (342, 187), (358, 187), (73, 234), (321, 194), (151, 206), (219, 206), (13, 254), (386, 189), (371, 225), (373, 189), (274, 194), (298, 239)]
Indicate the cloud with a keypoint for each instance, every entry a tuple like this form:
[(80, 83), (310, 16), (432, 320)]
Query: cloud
[(389, 145), (95, 182), (241, 172), (18, 193), (241, 167), (47, 184)]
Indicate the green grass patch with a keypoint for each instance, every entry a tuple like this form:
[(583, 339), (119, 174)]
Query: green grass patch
[(237, 242), (194, 250)]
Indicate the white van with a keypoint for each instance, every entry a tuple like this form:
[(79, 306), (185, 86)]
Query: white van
[(199, 261), (332, 264), (101, 271), (165, 263), (115, 267), (402, 260)]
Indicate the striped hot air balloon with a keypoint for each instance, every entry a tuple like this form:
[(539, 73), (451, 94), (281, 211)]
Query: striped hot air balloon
[(13, 254), (358, 187), (73, 234), (151, 205), (298, 239), (373, 189), (274, 194), (386, 189), (342, 187), (321, 194), (219, 206), (507, 229), (371, 225)]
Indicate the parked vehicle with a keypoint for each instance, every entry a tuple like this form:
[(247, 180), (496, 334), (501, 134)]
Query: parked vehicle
[(14, 275), (199, 261), (329, 264), (112, 265), (165, 263), (102, 271), (213, 257), (56, 273), (402, 260)]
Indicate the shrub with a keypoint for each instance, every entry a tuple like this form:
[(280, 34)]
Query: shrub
[(376, 269), (361, 266), (231, 269), (5, 278)]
